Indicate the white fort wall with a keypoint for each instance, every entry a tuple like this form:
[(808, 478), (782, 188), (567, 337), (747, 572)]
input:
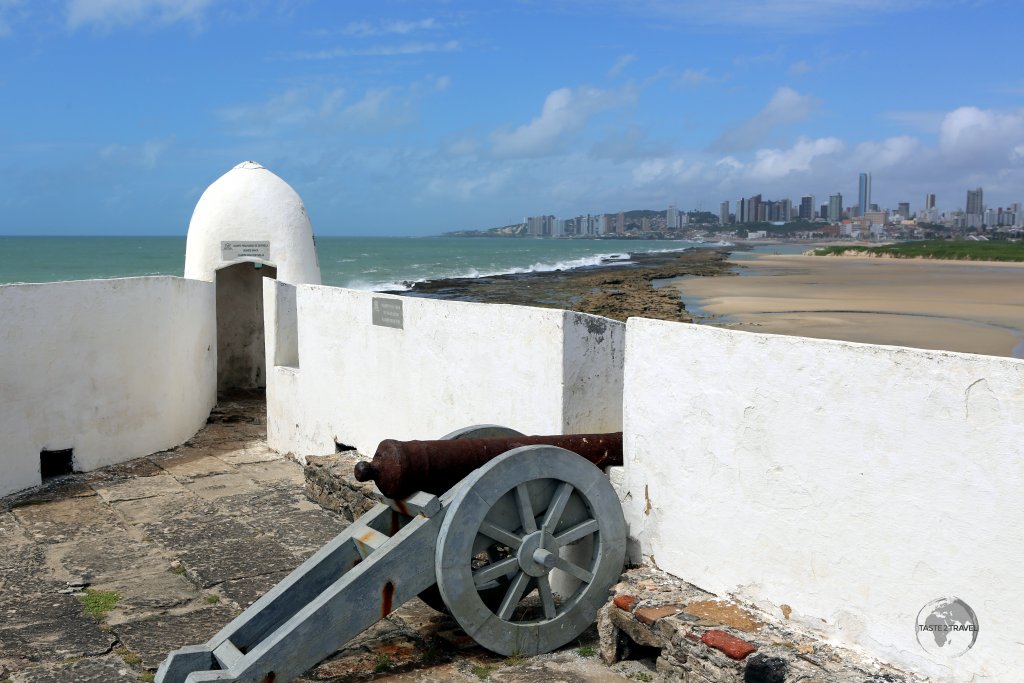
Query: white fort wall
[(853, 483), (113, 369), (338, 377)]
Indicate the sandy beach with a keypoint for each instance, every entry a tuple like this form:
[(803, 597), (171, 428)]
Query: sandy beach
[(975, 307)]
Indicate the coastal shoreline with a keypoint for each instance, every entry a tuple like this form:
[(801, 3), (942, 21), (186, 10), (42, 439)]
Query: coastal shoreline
[(615, 289), (950, 305)]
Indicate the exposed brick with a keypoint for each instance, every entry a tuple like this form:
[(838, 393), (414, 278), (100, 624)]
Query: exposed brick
[(733, 647), (649, 615), (625, 602)]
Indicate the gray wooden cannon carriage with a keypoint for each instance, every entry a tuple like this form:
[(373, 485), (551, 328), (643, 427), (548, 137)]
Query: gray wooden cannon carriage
[(521, 550)]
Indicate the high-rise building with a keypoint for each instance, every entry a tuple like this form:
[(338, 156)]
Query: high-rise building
[(904, 210), (807, 207), (929, 202), (620, 223), (786, 210), (864, 194), (723, 212), (755, 212), (835, 208), (672, 217), (975, 202), (823, 212)]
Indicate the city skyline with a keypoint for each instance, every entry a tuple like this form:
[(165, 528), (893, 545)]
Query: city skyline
[(398, 118)]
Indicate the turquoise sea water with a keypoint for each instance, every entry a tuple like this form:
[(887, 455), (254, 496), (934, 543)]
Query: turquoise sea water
[(357, 262)]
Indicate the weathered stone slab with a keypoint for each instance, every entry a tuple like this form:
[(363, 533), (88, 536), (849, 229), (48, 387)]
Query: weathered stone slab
[(59, 521), (11, 532), (50, 627), (153, 639), (248, 455), (217, 548), (302, 532), (248, 590), (219, 486), (133, 469), (137, 489), (281, 472), (109, 669), (161, 508), (191, 463)]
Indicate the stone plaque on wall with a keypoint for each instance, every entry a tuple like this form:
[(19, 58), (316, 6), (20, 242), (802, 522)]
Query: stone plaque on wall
[(245, 250), (387, 312)]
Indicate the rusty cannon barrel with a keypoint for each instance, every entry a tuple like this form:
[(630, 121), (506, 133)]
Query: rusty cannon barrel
[(400, 468)]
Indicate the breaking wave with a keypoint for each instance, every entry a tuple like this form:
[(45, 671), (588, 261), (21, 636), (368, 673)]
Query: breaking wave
[(610, 260)]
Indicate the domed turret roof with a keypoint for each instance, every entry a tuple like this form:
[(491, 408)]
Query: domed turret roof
[(250, 214)]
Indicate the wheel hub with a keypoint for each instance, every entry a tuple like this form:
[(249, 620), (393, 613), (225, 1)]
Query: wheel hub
[(538, 553)]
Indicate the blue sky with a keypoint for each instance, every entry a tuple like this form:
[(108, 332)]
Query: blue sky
[(418, 117)]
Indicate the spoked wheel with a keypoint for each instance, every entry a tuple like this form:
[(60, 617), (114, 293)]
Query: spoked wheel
[(543, 527), (431, 596)]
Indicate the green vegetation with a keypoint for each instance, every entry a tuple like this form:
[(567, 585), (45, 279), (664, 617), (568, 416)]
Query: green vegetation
[(213, 599), (960, 250), (482, 672), (129, 657), (586, 650), (514, 660), (98, 603), (641, 677), (382, 664), (147, 677)]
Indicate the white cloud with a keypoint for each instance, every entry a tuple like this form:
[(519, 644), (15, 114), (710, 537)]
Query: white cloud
[(469, 188), (565, 112), (620, 64), (145, 155), (695, 77), (293, 107), (798, 16), (980, 136), (787, 106), (924, 121), (800, 68), (365, 29), (662, 171), (889, 152), (400, 50), (316, 110), (773, 164), (109, 14), (8, 8)]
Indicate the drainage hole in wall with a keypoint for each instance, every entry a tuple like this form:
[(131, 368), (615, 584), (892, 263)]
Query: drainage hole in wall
[(55, 463)]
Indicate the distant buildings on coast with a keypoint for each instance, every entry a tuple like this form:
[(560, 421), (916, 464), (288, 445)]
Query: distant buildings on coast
[(756, 216)]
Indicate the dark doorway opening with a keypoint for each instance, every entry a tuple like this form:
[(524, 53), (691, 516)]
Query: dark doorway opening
[(56, 463), (241, 350)]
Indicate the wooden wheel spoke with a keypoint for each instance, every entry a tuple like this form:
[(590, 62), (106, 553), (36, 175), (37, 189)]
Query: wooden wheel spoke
[(513, 595), (494, 570), (577, 532), (546, 597), (577, 571), (503, 536), (526, 516), (557, 506)]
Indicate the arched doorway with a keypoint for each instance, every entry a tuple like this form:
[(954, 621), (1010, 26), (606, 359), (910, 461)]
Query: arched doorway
[(241, 350)]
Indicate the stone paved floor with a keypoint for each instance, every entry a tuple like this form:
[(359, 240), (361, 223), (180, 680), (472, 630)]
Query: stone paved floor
[(103, 573)]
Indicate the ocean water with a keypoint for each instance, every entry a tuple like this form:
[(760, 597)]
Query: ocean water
[(369, 263)]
